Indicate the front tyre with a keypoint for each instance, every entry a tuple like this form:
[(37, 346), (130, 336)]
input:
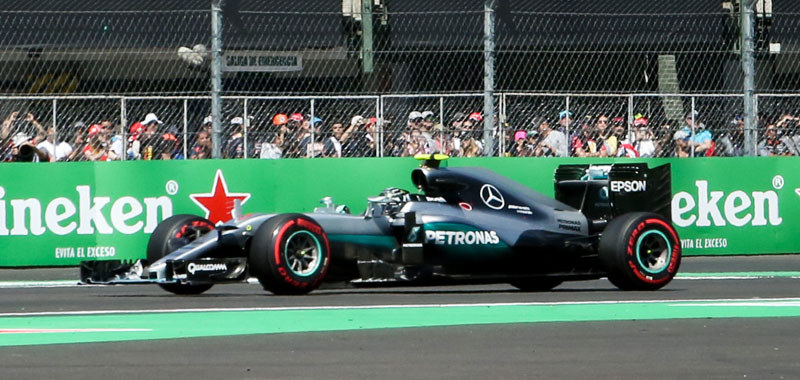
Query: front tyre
[(640, 251), (171, 234), (290, 254)]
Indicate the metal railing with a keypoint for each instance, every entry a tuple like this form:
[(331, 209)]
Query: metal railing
[(380, 126)]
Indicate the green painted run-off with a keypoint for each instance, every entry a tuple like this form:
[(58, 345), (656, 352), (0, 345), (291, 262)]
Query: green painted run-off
[(170, 325)]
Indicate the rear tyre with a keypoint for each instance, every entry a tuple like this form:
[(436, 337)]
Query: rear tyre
[(290, 254), (541, 284), (171, 234), (640, 251)]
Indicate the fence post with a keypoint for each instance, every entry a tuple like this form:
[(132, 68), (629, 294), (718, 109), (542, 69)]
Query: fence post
[(488, 76), (313, 138), (123, 119), (185, 128), (694, 128), (567, 124), (55, 127), (748, 68), (379, 115), (246, 132), (216, 78)]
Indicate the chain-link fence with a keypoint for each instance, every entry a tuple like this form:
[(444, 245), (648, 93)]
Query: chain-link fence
[(423, 63)]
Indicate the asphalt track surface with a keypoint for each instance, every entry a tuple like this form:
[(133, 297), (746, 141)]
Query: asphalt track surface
[(724, 318)]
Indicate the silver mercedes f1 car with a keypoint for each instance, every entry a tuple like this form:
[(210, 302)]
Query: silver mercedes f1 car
[(465, 225)]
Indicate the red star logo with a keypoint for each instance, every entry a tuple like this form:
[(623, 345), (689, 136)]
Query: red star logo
[(218, 204)]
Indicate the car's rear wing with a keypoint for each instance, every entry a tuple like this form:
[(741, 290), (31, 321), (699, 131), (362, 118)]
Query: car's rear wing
[(603, 192)]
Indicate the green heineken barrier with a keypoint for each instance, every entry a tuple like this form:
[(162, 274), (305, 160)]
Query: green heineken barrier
[(60, 214)]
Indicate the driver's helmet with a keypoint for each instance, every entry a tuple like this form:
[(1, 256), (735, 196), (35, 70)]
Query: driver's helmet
[(395, 194)]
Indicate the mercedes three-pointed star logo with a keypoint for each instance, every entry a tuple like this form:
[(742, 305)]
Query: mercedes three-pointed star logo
[(492, 198)]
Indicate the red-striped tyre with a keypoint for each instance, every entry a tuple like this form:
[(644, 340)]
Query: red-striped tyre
[(290, 254), (640, 251), (171, 234)]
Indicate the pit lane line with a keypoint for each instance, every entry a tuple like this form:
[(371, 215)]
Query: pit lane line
[(253, 280)]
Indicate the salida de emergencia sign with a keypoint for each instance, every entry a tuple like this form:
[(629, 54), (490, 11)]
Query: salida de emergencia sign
[(264, 61)]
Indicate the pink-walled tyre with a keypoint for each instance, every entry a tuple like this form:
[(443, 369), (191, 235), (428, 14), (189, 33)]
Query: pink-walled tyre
[(640, 251), (290, 254)]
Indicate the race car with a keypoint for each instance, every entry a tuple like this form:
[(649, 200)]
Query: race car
[(466, 225)]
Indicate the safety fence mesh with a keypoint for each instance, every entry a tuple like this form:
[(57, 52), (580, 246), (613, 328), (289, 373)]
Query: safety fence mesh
[(316, 79), (327, 47)]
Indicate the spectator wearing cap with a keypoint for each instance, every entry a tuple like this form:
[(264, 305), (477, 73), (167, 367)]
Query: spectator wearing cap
[(772, 145), (234, 146), (297, 131), (521, 147), (700, 138), (645, 146), (280, 123), (23, 149), (96, 148), (208, 124), (415, 119), (681, 140), (313, 141), (154, 145), (553, 142), (564, 121), (730, 143)]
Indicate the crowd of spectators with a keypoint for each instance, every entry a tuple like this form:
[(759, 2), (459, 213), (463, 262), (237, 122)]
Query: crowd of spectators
[(295, 135)]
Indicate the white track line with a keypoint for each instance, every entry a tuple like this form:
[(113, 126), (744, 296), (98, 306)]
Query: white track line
[(391, 306), (254, 281)]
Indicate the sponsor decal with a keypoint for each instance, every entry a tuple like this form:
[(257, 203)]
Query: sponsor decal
[(570, 225), (466, 206), (492, 197), (628, 186), (91, 215), (521, 209), (461, 237), (758, 208), (218, 204), (209, 267)]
